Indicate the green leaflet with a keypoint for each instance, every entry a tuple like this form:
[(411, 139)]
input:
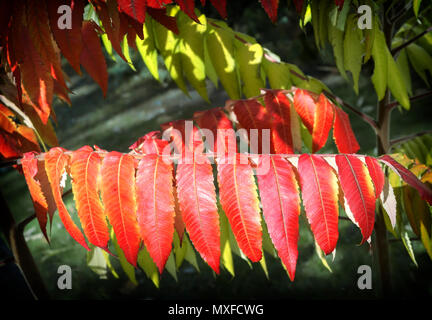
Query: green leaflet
[(321, 256), (402, 63), (249, 57), (336, 37), (97, 262), (416, 6), (190, 253), (278, 74), (168, 45), (220, 47), (263, 265), (353, 49), (179, 250), (226, 254), (341, 21), (146, 263), (396, 83), (192, 51), (126, 53), (370, 35), (170, 266), (314, 5), (209, 69), (147, 48), (323, 21), (108, 46), (126, 266), (380, 54), (420, 60), (267, 243)]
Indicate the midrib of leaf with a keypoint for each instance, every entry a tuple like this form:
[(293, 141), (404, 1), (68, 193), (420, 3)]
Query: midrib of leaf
[(155, 206), (120, 203), (198, 207), (359, 189), (238, 203), (321, 199), (280, 204), (87, 197)]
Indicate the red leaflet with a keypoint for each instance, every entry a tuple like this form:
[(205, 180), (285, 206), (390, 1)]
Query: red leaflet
[(253, 117), (92, 58), (167, 21), (118, 196), (305, 106), (319, 188), (158, 4), (220, 6), (134, 8), (178, 219), (188, 7), (408, 177), (239, 200), (55, 166), (278, 105), (376, 174), (281, 207), (323, 121), (271, 6), (68, 40), (30, 168), (156, 207), (218, 123), (358, 191), (343, 135), (37, 82), (197, 199), (339, 3), (109, 17), (85, 169), (298, 5)]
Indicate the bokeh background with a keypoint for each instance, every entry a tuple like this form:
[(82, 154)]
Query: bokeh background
[(136, 104)]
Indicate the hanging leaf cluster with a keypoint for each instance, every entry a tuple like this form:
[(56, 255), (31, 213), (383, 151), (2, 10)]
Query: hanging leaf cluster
[(162, 187)]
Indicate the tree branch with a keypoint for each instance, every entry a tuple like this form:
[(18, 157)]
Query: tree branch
[(403, 139), (407, 43), (414, 98)]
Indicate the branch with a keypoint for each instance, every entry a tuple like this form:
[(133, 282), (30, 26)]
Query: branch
[(414, 98), (403, 139), (407, 43)]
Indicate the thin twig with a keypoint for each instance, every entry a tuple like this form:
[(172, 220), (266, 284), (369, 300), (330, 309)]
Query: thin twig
[(20, 227), (414, 98), (403, 139), (408, 42)]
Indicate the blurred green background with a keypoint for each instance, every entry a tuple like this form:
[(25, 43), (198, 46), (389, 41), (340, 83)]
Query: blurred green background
[(136, 104)]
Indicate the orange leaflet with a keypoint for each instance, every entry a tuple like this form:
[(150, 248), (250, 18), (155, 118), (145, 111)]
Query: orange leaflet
[(358, 192), (156, 206), (343, 135), (197, 199), (319, 188), (305, 106), (323, 121), (280, 200), (85, 169), (55, 166), (30, 168), (239, 200), (118, 196), (376, 173)]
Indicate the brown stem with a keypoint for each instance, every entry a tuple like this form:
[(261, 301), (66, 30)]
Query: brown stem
[(417, 97), (22, 255), (383, 145)]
